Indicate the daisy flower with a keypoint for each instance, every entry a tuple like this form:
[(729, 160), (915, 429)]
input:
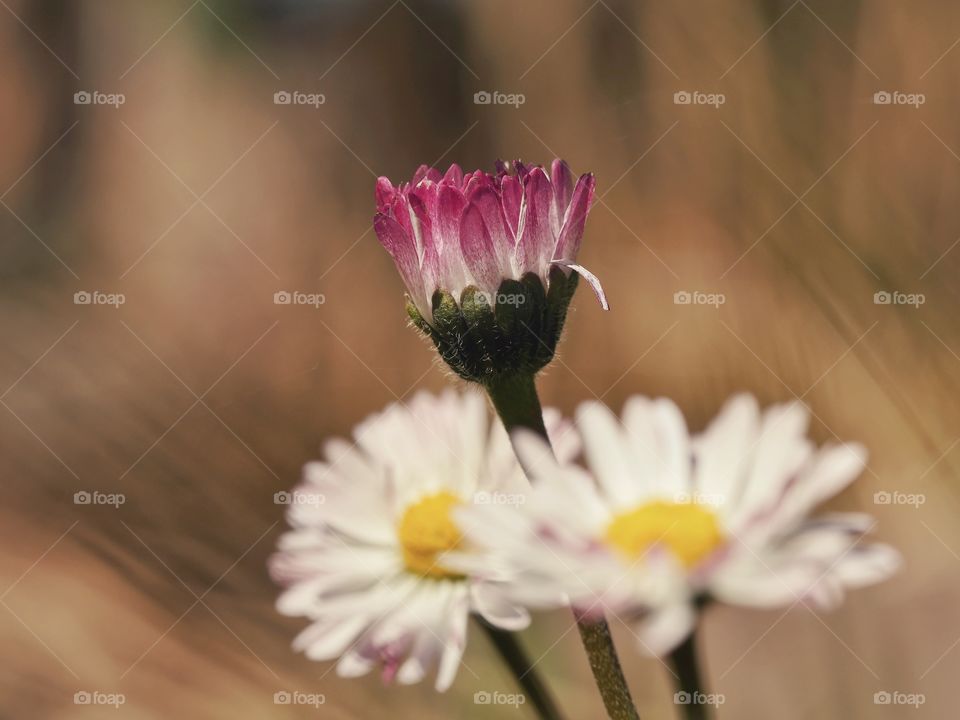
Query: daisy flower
[(491, 253), (372, 526), (664, 521)]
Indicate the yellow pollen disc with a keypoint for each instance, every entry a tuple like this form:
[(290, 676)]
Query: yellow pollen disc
[(426, 531), (689, 530)]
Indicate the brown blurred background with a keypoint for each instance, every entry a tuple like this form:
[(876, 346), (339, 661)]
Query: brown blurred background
[(798, 198)]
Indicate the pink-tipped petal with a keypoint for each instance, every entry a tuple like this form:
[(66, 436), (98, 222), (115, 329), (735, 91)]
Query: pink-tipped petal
[(425, 172), (589, 277), (384, 193), (453, 271), (562, 180), (475, 181), (479, 253), (420, 174), (422, 211), (511, 195), (568, 244), (454, 176), (401, 248), (488, 203), (535, 241)]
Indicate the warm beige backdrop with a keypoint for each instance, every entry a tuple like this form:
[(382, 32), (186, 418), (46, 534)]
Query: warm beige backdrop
[(198, 198)]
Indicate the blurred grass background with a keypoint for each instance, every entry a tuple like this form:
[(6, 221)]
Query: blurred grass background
[(199, 198)]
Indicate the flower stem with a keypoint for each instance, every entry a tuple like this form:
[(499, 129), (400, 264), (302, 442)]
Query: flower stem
[(516, 402), (690, 695), (607, 672), (516, 659)]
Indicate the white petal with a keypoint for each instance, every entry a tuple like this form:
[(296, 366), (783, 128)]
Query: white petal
[(326, 640), (660, 446), (535, 454), (608, 454), (869, 564), (666, 627), (723, 450), (826, 474), (487, 599), (455, 640), (352, 665)]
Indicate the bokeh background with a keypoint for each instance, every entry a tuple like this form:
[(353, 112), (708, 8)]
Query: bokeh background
[(797, 199)]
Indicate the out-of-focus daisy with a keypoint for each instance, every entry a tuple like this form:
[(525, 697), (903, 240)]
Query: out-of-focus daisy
[(492, 254), (372, 524), (663, 520)]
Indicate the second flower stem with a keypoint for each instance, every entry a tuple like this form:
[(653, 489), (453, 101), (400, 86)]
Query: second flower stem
[(690, 694), (510, 650), (516, 402)]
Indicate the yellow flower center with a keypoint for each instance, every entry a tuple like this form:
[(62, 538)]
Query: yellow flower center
[(691, 531), (426, 531)]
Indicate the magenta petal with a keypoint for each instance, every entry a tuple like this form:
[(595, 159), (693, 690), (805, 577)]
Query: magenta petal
[(590, 278), (422, 205), (476, 181), (478, 251), (450, 204), (522, 168), (487, 201), (568, 245), (511, 194), (562, 180), (501, 167), (401, 248), (425, 172), (536, 242), (420, 174), (384, 193), (400, 211), (454, 175)]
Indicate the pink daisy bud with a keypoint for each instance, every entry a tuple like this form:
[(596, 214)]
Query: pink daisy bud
[(489, 260)]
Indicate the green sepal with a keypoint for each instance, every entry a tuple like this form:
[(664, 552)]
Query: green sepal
[(516, 337)]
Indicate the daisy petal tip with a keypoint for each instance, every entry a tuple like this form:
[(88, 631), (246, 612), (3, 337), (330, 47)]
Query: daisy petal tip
[(592, 279)]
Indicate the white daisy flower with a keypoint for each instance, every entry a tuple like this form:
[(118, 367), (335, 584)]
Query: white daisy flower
[(372, 524), (664, 521)]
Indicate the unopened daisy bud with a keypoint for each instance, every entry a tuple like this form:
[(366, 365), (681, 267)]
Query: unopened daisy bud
[(488, 261)]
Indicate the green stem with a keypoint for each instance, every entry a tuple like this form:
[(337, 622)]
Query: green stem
[(516, 659), (607, 672), (690, 695), (516, 402)]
